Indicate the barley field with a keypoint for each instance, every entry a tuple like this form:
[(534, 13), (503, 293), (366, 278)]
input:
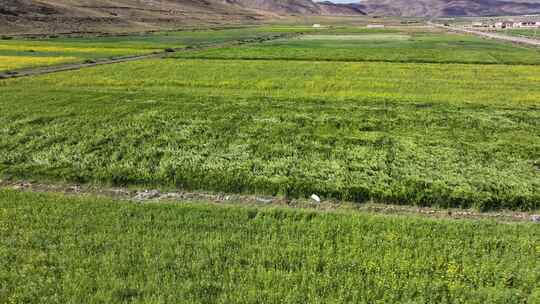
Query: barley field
[(57, 249), (404, 46), (354, 115), (449, 135), (21, 53)]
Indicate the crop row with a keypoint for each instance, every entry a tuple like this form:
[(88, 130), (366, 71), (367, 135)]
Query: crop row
[(467, 136), (396, 47), (57, 250), (25, 53)]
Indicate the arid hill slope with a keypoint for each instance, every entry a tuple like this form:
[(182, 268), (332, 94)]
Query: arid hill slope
[(46, 16), (115, 15), (451, 8)]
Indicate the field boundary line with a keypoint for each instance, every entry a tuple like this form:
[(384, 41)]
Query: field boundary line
[(175, 196), (351, 60), (73, 66), (161, 54)]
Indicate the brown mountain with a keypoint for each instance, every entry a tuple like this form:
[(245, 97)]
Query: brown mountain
[(115, 15), (281, 7), (46, 16), (329, 8), (298, 7), (451, 8)]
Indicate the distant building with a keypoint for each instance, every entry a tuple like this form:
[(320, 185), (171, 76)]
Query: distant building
[(517, 24), (316, 25), (504, 24), (375, 26), (478, 24), (527, 24)]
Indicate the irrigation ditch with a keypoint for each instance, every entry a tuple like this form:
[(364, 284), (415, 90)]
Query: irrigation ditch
[(139, 195)]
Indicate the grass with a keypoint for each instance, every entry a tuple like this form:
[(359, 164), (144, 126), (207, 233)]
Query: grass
[(58, 249), (332, 29), (425, 134), (529, 33), (26, 53), (356, 38), (389, 47)]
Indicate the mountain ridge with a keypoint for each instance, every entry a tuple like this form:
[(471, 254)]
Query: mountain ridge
[(23, 16), (48, 16), (449, 8)]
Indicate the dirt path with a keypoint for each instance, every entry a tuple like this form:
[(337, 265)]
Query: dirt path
[(514, 39), (77, 66), (73, 66), (153, 196)]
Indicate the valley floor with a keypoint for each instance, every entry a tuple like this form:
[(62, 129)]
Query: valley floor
[(404, 116)]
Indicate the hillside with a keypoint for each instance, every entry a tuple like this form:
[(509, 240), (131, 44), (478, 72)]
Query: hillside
[(281, 7), (329, 8), (46, 16), (115, 15), (451, 8), (298, 7)]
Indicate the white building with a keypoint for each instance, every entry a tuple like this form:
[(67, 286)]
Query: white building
[(527, 24), (504, 24)]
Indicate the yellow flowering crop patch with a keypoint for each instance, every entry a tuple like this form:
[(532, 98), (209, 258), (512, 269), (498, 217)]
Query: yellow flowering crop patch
[(19, 62), (50, 48)]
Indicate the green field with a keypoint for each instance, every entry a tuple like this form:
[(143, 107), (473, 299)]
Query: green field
[(529, 33), (354, 115), (419, 47), (331, 29), (27, 53), (424, 134), (56, 249)]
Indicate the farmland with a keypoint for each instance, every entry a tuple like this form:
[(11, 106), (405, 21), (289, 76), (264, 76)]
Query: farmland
[(382, 45), (529, 33), (425, 134), (27, 53), (58, 249), (381, 117)]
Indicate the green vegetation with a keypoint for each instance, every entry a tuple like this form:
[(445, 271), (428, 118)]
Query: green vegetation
[(24, 53), (402, 47), (326, 29), (530, 33), (426, 134), (344, 112), (56, 249)]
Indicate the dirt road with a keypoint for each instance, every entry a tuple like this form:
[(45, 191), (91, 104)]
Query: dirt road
[(155, 196), (73, 66), (78, 66)]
